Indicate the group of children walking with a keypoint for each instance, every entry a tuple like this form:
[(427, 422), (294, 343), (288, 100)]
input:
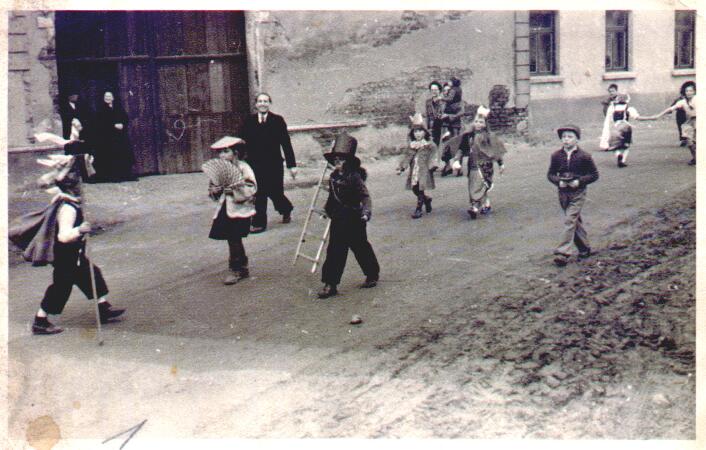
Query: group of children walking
[(617, 128), (483, 148), (57, 234)]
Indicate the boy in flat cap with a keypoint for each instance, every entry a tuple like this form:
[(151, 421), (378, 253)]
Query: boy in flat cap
[(571, 170)]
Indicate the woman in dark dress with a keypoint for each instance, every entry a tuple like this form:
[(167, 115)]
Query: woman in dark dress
[(114, 157)]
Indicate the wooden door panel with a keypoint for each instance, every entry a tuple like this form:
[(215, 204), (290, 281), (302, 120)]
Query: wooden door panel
[(136, 92), (168, 32), (181, 95), (207, 129), (195, 41), (198, 90), (216, 32), (173, 100)]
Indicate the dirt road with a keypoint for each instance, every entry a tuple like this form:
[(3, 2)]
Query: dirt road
[(472, 333)]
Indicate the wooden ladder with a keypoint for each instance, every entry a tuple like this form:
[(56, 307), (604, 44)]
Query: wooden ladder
[(315, 210)]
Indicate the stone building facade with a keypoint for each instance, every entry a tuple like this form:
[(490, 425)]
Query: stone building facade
[(535, 69)]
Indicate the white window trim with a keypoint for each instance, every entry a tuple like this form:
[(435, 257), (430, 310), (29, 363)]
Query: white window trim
[(546, 79), (619, 75), (686, 72)]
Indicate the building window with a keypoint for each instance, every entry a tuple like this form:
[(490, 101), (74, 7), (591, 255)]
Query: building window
[(542, 42), (684, 27), (616, 40)]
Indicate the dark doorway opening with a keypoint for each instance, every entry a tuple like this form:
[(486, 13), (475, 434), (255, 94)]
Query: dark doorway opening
[(180, 75)]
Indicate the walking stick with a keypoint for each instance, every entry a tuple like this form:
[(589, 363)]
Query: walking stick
[(94, 291), (92, 271)]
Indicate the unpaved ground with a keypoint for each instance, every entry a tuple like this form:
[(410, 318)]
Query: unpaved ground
[(472, 333)]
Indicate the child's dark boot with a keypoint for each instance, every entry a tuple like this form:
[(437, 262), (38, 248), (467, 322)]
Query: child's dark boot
[(418, 212), (42, 325), (107, 312), (621, 164), (329, 290), (236, 275)]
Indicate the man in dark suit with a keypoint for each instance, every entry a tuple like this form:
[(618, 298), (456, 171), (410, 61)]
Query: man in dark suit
[(73, 108), (266, 136)]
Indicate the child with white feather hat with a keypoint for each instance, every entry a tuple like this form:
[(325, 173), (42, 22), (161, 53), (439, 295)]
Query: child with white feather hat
[(484, 148), (55, 235)]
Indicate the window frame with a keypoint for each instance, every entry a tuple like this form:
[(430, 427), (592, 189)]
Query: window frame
[(535, 34), (691, 29), (611, 31)]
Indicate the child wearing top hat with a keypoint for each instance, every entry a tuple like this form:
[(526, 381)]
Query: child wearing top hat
[(418, 157), (571, 170), (350, 208), (236, 207)]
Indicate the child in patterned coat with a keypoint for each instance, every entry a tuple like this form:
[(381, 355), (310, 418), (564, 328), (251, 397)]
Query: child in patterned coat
[(419, 158)]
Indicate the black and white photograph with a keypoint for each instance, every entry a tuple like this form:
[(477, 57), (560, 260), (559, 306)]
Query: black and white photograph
[(275, 227)]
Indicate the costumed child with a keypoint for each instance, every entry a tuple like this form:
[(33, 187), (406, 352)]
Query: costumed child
[(232, 184), (418, 157), (688, 128), (55, 235), (350, 208), (484, 148), (621, 130)]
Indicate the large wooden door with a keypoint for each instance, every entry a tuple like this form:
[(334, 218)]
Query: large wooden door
[(182, 77)]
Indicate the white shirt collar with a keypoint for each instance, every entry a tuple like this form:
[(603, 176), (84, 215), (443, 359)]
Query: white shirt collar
[(570, 152)]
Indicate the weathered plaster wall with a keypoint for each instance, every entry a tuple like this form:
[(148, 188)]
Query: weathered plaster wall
[(315, 61), (32, 78)]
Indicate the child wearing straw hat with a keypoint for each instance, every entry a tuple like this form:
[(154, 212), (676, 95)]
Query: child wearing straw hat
[(234, 191)]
